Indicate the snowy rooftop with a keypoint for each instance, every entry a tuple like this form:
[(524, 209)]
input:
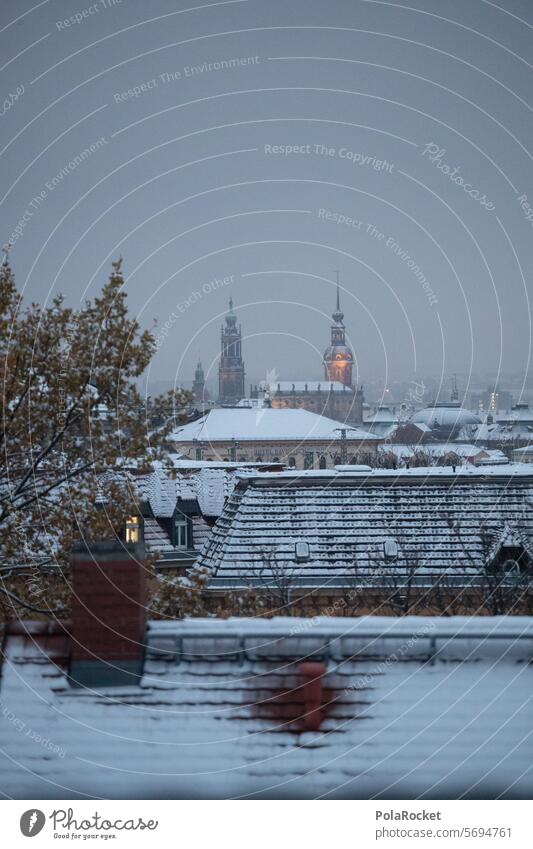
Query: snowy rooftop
[(243, 424), (182, 463), (344, 519), (382, 414), (417, 707), (446, 415), (439, 449)]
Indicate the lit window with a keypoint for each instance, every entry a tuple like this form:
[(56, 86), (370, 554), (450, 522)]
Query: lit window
[(180, 532), (133, 529)]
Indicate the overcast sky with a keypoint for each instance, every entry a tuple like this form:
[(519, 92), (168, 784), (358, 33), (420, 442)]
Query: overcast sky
[(410, 173)]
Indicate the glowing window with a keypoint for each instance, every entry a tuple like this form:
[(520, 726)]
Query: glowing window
[(133, 529)]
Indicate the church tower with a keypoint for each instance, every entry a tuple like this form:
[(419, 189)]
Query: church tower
[(231, 367), (198, 387), (338, 358)]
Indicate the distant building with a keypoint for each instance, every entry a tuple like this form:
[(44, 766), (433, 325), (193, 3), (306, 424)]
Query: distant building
[(517, 424), (382, 422), (491, 401), (231, 367), (447, 420), (199, 390), (297, 438), (335, 399)]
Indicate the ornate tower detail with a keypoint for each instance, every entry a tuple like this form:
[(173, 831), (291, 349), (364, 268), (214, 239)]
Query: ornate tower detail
[(231, 368), (338, 358)]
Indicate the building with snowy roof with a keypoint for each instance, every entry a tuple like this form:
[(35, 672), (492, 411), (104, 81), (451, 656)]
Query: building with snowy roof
[(333, 399), (175, 512), (516, 424), (448, 420), (439, 454), (297, 438), (109, 705), (381, 533), (382, 422)]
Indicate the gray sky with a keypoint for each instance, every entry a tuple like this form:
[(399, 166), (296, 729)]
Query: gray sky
[(413, 122)]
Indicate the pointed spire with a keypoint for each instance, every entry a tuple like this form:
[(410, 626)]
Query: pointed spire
[(231, 304), (338, 315)]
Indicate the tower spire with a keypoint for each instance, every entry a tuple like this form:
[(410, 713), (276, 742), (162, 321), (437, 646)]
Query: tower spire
[(338, 315), (231, 366)]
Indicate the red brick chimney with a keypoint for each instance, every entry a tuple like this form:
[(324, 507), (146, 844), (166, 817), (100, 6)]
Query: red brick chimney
[(108, 613), (312, 674)]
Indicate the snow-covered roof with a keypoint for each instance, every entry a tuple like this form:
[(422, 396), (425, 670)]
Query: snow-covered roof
[(162, 491), (435, 449), (382, 414), (242, 424), (208, 485), (434, 515), (445, 415), (220, 712), (520, 413), (179, 462)]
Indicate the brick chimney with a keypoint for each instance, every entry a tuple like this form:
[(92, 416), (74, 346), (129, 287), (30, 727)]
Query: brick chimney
[(108, 613)]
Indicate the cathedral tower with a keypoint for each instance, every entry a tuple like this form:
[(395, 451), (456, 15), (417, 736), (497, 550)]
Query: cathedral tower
[(338, 358), (231, 367)]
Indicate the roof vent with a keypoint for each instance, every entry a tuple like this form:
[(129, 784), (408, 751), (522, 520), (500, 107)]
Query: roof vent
[(301, 552), (354, 470), (390, 549)]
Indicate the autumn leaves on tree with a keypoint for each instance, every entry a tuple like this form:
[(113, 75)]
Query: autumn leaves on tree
[(72, 418)]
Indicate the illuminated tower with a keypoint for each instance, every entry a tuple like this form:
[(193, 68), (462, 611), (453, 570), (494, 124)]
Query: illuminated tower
[(338, 358), (231, 367)]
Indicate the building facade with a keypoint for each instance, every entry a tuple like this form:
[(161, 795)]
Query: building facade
[(298, 439), (333, 399)]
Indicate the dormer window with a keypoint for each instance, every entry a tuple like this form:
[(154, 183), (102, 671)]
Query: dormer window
[(181, 532), (133, 529), (512, 566)]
